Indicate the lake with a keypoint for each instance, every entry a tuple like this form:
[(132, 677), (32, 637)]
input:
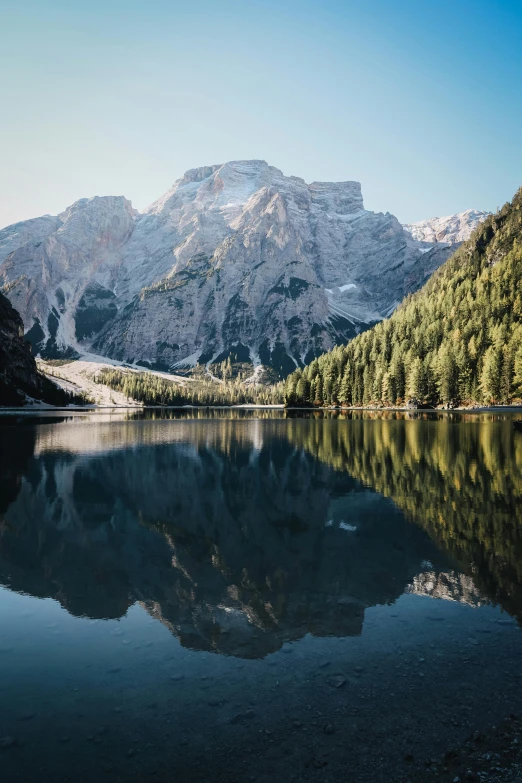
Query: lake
[(255, 595)]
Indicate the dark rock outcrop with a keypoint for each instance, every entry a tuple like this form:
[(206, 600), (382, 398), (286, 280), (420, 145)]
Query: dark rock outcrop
[(19, 376)]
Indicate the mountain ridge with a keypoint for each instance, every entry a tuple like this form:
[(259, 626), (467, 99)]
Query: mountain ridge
[(452, 228), (236, 259)]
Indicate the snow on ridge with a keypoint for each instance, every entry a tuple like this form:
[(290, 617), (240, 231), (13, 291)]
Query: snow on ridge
[(450, 229)]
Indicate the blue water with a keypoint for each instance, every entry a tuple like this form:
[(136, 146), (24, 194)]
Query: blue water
[(254, 599)]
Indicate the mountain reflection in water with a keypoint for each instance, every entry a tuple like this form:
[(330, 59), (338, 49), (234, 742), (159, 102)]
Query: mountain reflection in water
[(242, 534)]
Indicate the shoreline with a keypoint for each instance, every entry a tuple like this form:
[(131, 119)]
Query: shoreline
[(477, 409), (137, 408), (37, 409)]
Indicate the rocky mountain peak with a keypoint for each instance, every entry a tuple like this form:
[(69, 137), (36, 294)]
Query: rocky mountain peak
[(109, 216), (343, 198), (197, 175), (235, 257), (452, 229), (234, 183)]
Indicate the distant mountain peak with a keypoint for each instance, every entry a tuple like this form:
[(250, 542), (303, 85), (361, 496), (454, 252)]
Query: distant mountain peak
[(451, 229)]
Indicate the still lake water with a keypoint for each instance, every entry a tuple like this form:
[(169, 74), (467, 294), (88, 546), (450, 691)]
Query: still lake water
[(248, 596)]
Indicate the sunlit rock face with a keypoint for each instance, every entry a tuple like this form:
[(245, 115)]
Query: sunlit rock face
[(235, 256), (63, 266), (452, 229), (234, 539)]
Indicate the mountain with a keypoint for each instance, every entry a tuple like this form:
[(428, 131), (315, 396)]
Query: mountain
[(451, 229), (235, 260), (19, 377), (458, 340)]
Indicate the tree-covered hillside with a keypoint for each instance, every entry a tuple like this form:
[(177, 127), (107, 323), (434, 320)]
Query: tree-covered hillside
[(457, 340)]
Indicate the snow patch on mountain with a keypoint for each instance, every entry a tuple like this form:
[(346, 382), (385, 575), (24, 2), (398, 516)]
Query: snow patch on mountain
[(451, 229)]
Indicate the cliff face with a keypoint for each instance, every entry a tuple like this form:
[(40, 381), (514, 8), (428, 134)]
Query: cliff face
[(18, 373), (234, 258), (59, 273)]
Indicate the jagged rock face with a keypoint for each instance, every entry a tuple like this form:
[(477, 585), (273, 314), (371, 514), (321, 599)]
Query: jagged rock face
[(13, 237), (233, 256), (53, 280), (452, 229), (18, 374)]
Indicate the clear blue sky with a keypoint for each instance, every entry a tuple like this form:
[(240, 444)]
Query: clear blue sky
[(419, 100)]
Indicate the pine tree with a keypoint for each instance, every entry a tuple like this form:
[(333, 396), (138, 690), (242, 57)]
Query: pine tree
[(327, 388), (447, 374), (336, 387), (377, 381), (302, 391), (517, 376), (319, 397), (290, 388), (388, 395), (416, 387), (398, 375), (367, 384), (506, 375), (345, 392), (490, 379)]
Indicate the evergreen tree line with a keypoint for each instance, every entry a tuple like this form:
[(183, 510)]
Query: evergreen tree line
[(155, 390), (456, 341), (55, 395)]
